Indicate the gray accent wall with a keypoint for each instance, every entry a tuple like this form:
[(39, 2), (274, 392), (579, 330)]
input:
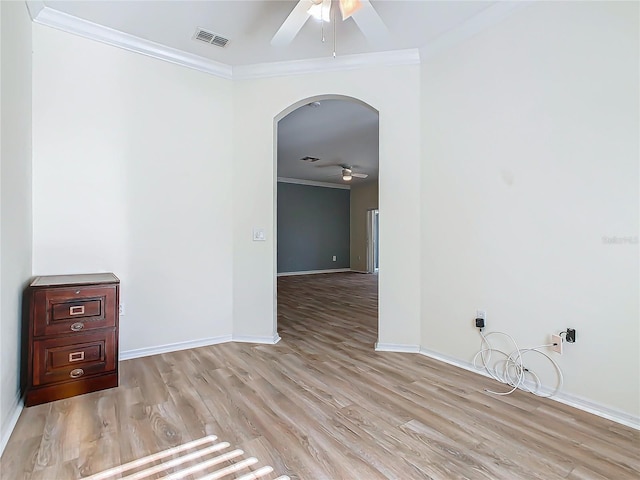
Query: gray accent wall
[(313, 226)]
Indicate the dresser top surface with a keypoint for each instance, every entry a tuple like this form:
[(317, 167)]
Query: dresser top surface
[(84, 278)]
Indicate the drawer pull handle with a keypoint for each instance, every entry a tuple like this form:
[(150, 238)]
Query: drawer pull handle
[(78, 310), (76, 327), (76, 357), (76, 372)]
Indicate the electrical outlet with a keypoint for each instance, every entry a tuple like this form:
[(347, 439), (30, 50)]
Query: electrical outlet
[(334, 258), (557, 343), (121, 309), (481, 314)]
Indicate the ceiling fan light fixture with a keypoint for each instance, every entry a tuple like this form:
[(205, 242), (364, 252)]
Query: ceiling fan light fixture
[(349, 7), (346, 174), (321, 10)]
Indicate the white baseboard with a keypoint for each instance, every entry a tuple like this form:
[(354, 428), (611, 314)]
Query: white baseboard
[(397, 347), (10, 422), (203, 342), (568, 399), (251, 339), (173, 347), (597, 409), (314, 272)]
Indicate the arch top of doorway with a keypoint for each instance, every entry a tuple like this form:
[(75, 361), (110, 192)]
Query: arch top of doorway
[(319, 98), (344, 131)]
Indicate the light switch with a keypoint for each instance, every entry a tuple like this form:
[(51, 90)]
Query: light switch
[(259, 235)]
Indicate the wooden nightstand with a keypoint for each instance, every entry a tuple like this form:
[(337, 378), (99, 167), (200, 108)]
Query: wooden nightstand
[(71, 335)]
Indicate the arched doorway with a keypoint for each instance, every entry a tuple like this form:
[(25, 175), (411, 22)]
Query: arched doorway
[(326, 150)]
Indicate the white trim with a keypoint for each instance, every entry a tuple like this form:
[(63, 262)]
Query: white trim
[(50, 17), (251, 339), (481, 21), (313, 183), (7, 428), (397, 347), (327, 64), (203, 342), (173, 347), (451, 361), (571, 400), (44, 15), (68, 23), (34, 7), (599, 410), (313, 272)]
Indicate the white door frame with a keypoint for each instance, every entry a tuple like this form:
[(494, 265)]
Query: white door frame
[(372, 239)]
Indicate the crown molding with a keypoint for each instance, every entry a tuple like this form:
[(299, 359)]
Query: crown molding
[(68, 23), (327, 64), (35, 7), (481, 21), (313, 183), (50, 17), (488, 17)]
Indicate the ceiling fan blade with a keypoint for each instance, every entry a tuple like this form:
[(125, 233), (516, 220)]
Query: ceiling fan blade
[(292, 24), (371, 25), (359, 175)]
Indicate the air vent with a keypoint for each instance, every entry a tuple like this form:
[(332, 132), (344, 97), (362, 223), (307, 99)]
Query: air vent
[(309, 159), (211, 38)]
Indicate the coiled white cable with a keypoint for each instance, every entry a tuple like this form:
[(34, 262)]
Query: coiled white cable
[(511, 370)]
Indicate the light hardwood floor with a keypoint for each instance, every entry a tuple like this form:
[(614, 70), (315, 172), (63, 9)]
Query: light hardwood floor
[(322, 404)]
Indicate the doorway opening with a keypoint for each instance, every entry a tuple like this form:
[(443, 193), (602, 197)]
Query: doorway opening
[(326, 154)]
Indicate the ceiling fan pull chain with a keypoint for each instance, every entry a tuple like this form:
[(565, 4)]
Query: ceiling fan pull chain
[(334, 33), (322, 20)]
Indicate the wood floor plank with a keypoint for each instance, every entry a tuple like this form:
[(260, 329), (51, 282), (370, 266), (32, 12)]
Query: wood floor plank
[(322, 404)]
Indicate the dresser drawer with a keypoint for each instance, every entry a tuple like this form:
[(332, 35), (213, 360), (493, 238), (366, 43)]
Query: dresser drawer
[(76, 309), (73, 357)]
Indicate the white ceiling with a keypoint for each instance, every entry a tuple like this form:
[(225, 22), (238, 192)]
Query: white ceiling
[(250, 25), (338, 132)]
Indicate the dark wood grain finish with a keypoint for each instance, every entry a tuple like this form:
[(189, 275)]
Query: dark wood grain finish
[(322, 404), (56, 357), (70, 336), (55, 310)]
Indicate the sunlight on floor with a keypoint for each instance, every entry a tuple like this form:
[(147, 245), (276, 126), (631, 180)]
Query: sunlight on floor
[(194, 460)]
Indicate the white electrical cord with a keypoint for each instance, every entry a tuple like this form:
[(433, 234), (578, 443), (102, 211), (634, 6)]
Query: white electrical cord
[(511, 370)]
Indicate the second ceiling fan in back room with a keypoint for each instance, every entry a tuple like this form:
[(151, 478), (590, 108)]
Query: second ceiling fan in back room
[(347, 173), (361, 11)]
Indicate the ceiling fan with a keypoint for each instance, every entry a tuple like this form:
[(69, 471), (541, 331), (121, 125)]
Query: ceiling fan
[(361, 11), (348, 174)]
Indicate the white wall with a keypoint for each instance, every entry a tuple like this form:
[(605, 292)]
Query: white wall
[(132, 174), (521, 151), (394, 92), (530, 158), (15, 200)]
